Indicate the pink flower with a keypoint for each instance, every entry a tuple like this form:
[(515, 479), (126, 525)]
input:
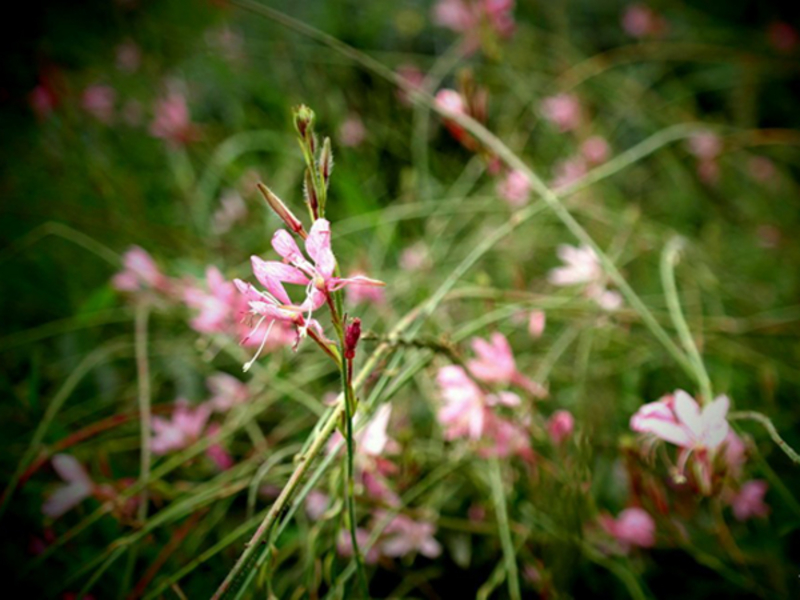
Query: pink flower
[(464, 409), (98, 101), (496, 364), (464, 16), (359, 293), (456, 15), (678, 419), (734, 453), (413, 76), (226, 392), (705, 145), (633, 527), (139, 272), (415, 257), (316, 504), (568, 172), (505, 438), (352, 132), (404, 536), (79, 486), (762, 169), (451, 101), (749, 502), (128, 57), (42, 100), (216, 306), (232, 209), (373, 439), (560, 426), (536, 323), (595, 150), (515, 188), (185, 427), (640, 21), (582, 266), (216, 452), (172, 122), (563, 110), (344, 545)]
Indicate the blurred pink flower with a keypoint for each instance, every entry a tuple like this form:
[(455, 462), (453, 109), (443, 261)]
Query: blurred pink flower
[(708, 171), (734, 453), (185, 427), (762, 169), (632, 527), (464, 409), (496, 364), (536, 323), (226, 391), (641, 21), (595, 150), (373, 439), (560, 426), (217, 306), (98, 101), (466, 16), (705, 145), (413, 76), (782, 36), (79, 486), (316, 504), (352, 132), (563, 110), (515, 188), (344, 545), (506, 438), (415, 257), (568, 172), (232, 209), (749, 502), (404, 536), (172, 121), (128, 56), (216, 451), (582, 266), (451, 101), (139, 272), (359, 293)]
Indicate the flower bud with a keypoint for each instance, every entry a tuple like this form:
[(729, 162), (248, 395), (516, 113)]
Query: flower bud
[(326, 161), (310, 193), (303, 120), (351, 337), (286, 215)]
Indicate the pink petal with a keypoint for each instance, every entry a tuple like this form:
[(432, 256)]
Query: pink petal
[(688, 412), (318, 246), (270, 274), (286, 247), (70, 470), (65, 498)]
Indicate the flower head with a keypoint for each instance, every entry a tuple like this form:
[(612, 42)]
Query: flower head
[(139, 272), (495, 364), (515, 188), (172, 121), (560, 426), (632, 527), (582, 266), (563, 110), (185, 427), (78, 486), (403, 536), (749, 502), (98, 101)]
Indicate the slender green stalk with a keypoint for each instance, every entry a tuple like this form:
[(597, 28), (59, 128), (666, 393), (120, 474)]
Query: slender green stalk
[(509, 554), (770, 427), (669, 257)]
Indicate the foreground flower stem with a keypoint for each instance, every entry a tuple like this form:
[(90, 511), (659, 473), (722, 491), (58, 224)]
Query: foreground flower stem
[(509, 553), (770, 427), (669, 258)]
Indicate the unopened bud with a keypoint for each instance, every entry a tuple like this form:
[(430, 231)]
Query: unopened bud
[(326, 161), (310, 193), (286, 215), (303, 120), (351, 337)]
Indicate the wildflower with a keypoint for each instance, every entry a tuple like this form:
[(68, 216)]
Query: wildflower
[(42, 100), (316, 504), (505, 438), (413, 77), (749, 502), (98, 101), (632, 527), (762, 169), (568, 172), (415, 257), (582, 266), (172, 122), (140, 272), (515, 188), (216, 452), (463, 412), (185, 427), (560, 426), (595, 150), (640, 21), (344, 545), (456, 15), (226, 391), (232, 209), (536, 323), (466, 17), (495, 364), (563, 110), (79, 486), (403, 536), (705, 145), (352, 132), (678, 419)]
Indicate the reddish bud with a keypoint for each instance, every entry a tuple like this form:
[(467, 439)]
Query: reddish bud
[(286, 215), (351, 337)]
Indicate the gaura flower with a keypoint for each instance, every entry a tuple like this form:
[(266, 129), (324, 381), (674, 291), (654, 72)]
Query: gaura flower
[(403, 536), (560, 426), (515, 188), (496, 364), (139, 272), (185, 427), (633, 527), (78, 486), (582, 266), (563, 110), (749, 502)]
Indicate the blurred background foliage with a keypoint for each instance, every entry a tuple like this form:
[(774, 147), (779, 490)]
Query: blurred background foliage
[(77, 190)]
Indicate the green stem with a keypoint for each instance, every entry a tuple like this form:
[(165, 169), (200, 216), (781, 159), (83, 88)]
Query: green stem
[(770, 427), (669, 257), (509, 554)]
